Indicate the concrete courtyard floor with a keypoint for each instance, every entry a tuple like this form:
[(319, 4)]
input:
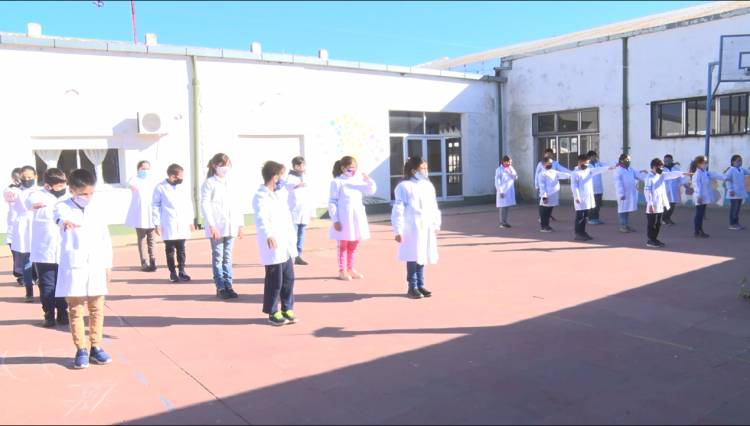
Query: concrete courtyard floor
[(523, 328)]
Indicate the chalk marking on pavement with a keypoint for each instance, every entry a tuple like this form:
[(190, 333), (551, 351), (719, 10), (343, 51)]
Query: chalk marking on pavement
[(166, 403), (7, 369), (45, 367), (585, 324), (660, 341), (141, 378)]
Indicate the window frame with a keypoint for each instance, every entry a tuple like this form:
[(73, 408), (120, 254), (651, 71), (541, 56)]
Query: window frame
[(99, 173), (556, 117), (715, 119)]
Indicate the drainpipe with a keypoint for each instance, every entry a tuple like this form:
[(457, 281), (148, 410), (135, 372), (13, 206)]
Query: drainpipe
[(625, 110), (195, 141), (499, 116)]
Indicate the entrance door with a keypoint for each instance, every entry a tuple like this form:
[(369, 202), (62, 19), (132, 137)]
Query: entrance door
[(443, 156)]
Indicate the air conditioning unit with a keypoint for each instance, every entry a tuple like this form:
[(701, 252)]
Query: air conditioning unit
[(150, 123)]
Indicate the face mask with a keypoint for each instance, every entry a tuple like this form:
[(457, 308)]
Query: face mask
[(278, 185), (421, 175), (626, 163), (59, 193), (584, 166), (349, 172), (142, 174), (659, 170), (27, 183), (82, 202), (176, 181), (669, 164), (223, 171), (738, 164), (548, 167)]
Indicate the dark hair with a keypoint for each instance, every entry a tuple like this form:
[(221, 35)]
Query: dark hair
[(656, 162), (549, 150), (583, 157), (25, 168), (546, 159), (174, 169), (81, 178), (697, 160), (592, 153), (411, 165), (623, 157), (669, 156), (345, 161), (296, 161), (216, 161), (54, 176), (735, 157), (16, 173), (271, 169), (142, 162), (506, 158)]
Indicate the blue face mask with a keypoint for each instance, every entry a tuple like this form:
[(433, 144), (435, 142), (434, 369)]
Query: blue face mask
[(142, 174), (279, 184)]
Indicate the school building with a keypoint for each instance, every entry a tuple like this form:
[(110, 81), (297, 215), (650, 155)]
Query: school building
[(105, 105)]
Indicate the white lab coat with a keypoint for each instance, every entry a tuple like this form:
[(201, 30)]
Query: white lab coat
[(300, 200), (674, 195), (702, 185), (582, 186), (505, 185), (555, 166), (626, 185), (548, 182), (172, 210), (21, 236), (655, 190), (345, 206), (45, 246), (416, 218), (86, 251), (221, 204), (139, 213), (11, 217), (598, 185), (274, 220), (735, 179)]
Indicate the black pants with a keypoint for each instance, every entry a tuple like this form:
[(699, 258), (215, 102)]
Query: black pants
[(581, 216), (279, 284), (594, 213), (171, 246), (654, 226), (544, 214), (47, 273), (700, 214), (667, 216)]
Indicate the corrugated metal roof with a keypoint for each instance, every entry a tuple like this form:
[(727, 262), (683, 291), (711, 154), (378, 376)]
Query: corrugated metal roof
[(664, 21)]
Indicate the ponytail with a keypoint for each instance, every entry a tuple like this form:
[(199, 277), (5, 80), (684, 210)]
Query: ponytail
[(337, 169)]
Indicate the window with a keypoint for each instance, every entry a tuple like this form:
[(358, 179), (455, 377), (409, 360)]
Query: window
[(687, 117), (567, 133), (71, 159), (546, 123)]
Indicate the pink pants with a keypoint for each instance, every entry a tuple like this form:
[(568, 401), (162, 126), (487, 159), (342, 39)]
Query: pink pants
[(346, 250)]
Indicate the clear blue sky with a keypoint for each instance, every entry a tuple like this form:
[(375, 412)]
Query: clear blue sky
[(400, 33)]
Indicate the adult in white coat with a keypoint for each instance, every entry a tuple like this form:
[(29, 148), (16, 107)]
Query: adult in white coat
[(85, 265), (673, 187), (301, 203), (221, 204), (505, 178), (657, 200), (172, 211), (45, 246), (9, 196), (736, 192), (416, 221), (277, 243), (703, 194), (139, 214), (548, 182), (21, 237), (582, 186), (626, 188), (347, 212)]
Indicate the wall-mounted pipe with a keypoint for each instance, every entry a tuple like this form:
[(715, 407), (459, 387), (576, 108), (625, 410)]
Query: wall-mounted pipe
[(195, 140), (625, 108)]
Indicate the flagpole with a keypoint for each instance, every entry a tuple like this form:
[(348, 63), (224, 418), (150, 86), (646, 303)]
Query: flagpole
[(132, 15)]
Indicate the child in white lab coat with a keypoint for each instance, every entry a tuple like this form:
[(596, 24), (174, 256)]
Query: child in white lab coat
[(348, 214), (548, 182), (221, 204), (45, 246), (505, 178), (703, 194), (673, 189), (598, 189), (657, 201), (9, 196), (277, 242), (549, 152), (85, 265), (21, 236), (416, 221), (736, 192), (626, 181), (172, 216), (582, 185), (300, 203), (139, 215)]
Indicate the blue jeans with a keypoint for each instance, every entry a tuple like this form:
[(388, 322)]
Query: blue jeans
[(47, 273), (221, 259), (24, 261), (624, 219), (300, 237), (734, 211), (414, 275), (700, 213)]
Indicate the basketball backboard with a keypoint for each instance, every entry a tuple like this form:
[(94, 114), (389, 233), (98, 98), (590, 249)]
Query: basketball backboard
[(734, 58)]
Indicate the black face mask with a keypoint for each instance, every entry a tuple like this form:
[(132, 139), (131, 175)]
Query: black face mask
[(659, 170), (59, 193), (548, 167), (583, 166), (626, 163), (28, 183), (176, 182), (669, 164)]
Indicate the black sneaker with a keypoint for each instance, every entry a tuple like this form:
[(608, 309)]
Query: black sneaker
[(173, 277), (300, 261), (651, 243), (183, 276), (63, 319), (588, 237), (223, 294), (661, 244), (425, 292), (19, 280), (232, 293), (145, 267), (413, 293), (701, 234), (49, 322), (581, 237)]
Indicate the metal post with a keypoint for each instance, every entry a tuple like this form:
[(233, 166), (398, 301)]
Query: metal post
[(709, 104)]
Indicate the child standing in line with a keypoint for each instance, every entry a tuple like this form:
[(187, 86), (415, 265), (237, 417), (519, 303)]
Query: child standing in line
[(673, 189), (736, 192), (21, 238), (598, 189), (657, 201), (277, 243), (540, 167), (139, 215), (172, 210), (582, 185), (221, 204), (548, 182), (416, 221), (300, 203), (348, 214), (626, 179), (703, 193), (9, 196), (85, 265), (45, 246), (505, 178)]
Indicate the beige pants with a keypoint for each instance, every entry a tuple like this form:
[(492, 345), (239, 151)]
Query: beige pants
[(77, 309), (145, 245)]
